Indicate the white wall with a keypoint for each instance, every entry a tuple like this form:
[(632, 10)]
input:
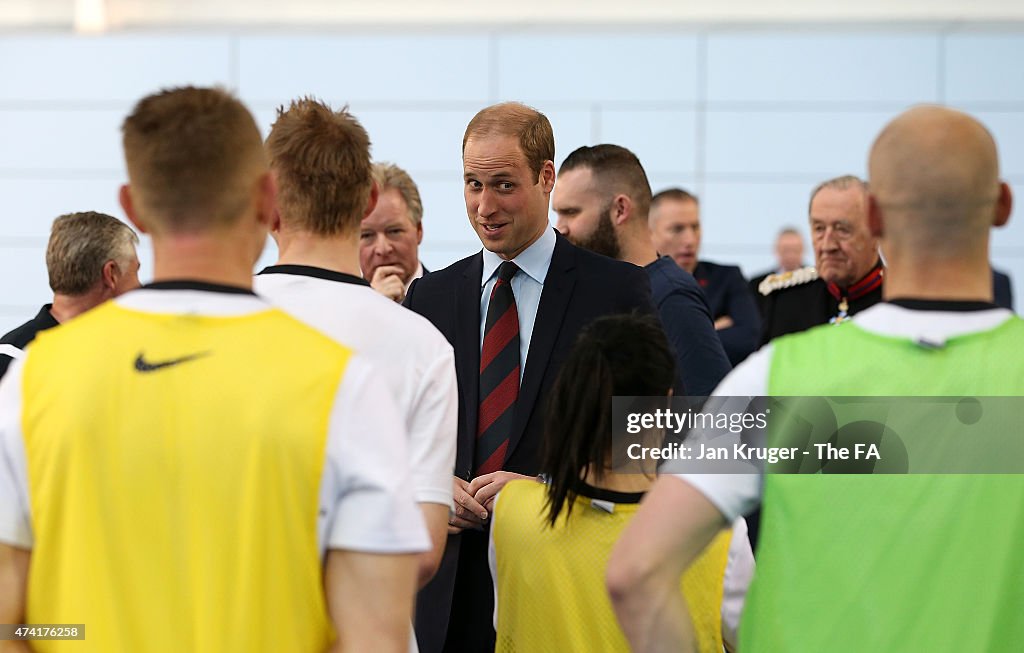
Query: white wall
[(749, 119)]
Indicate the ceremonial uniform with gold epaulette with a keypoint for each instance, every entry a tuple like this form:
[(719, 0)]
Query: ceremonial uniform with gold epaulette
[(798, 300)]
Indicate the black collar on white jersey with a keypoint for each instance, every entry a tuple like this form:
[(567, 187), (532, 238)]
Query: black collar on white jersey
[(948, 305), (192, 284), (602, 494), (319, 273)]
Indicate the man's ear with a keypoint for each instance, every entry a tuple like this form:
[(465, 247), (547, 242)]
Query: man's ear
[(547, 176), (1004, 205), (875, 226), (266, 198), (109, 275), (622, 209), (275, 221), (124, 196), (371, 201)]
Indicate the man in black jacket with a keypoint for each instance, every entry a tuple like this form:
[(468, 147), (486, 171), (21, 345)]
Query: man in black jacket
[(511, 313), (848, 273)]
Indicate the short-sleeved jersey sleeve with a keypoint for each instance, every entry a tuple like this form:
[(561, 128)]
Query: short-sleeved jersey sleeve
[(366, 494), (736, 494), (433, 425), (15, 516)]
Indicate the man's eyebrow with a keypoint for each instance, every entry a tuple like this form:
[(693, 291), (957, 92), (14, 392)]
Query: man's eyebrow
[(495, 176)]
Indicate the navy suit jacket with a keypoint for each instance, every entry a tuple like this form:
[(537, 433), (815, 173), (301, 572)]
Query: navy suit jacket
[(579, 287), (701, 361), (1002, 289), (728, 294)]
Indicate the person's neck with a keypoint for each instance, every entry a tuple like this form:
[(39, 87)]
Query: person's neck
[(945, 280), (617, 482), (66, 307), (206, 257), (338, 253), (638, 251)]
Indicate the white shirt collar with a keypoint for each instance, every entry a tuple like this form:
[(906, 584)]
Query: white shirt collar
[(534, 260), (191, 301), (419, 273)]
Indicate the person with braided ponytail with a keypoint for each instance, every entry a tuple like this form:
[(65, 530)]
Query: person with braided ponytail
[(550, 542)]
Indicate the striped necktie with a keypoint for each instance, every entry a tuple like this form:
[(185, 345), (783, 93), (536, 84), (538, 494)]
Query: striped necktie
[(499, 374)]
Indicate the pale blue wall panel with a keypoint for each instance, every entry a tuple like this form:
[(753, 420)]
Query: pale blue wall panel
[(598, 67), (444, 211), (984, 67), (791, 143), (661, 181), (32, 204), (113, 69), (49, 140), (822, 66), (664, 141), (418, 140), (25, 283), (742, 219), (405, 68), (1007, 128), (572, 129)]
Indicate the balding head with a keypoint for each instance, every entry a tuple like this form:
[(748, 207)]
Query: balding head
[(935, 188)]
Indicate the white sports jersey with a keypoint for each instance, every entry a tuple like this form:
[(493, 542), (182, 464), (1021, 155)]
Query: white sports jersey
[(365, 504), (415, 360)]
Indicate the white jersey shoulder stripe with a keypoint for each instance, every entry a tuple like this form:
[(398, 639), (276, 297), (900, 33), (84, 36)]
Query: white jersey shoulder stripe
[(12, 351)]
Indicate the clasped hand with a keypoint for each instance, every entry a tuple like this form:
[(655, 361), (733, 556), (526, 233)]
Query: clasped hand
[(474, 500)]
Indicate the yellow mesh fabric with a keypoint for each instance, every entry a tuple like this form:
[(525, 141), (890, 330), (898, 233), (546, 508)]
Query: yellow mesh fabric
[(175, 509), (550, 584)]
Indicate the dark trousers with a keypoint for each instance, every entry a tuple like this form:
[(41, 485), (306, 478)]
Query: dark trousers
[(471, 625)]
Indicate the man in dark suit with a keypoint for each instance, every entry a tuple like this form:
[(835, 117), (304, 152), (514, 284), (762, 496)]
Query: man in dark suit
[(390, 236), (602, 199), (511, 313), (675, 231), (789, 254), (1002, 288), (848, 273)]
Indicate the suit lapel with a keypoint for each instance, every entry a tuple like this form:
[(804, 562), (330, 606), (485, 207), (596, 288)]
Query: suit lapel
[(467, 340), (554, 300)]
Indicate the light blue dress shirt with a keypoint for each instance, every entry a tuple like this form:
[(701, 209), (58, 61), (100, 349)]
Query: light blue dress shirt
[(527, 286)]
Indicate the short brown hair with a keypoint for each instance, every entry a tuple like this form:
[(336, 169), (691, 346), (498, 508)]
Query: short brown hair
[(81, 244), (193, 157), (838, 183), (677, 194), (388, 176), (615, 169), (322, 161), (536, 139)]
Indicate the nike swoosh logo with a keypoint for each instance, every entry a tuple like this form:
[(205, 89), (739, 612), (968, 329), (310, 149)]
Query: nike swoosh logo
[(142, 365)]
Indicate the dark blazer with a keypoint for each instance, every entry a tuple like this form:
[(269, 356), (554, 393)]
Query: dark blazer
[(579, 287), (701, 362), (1002, 289), (798, 308), (728, 294), (26, 333)]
